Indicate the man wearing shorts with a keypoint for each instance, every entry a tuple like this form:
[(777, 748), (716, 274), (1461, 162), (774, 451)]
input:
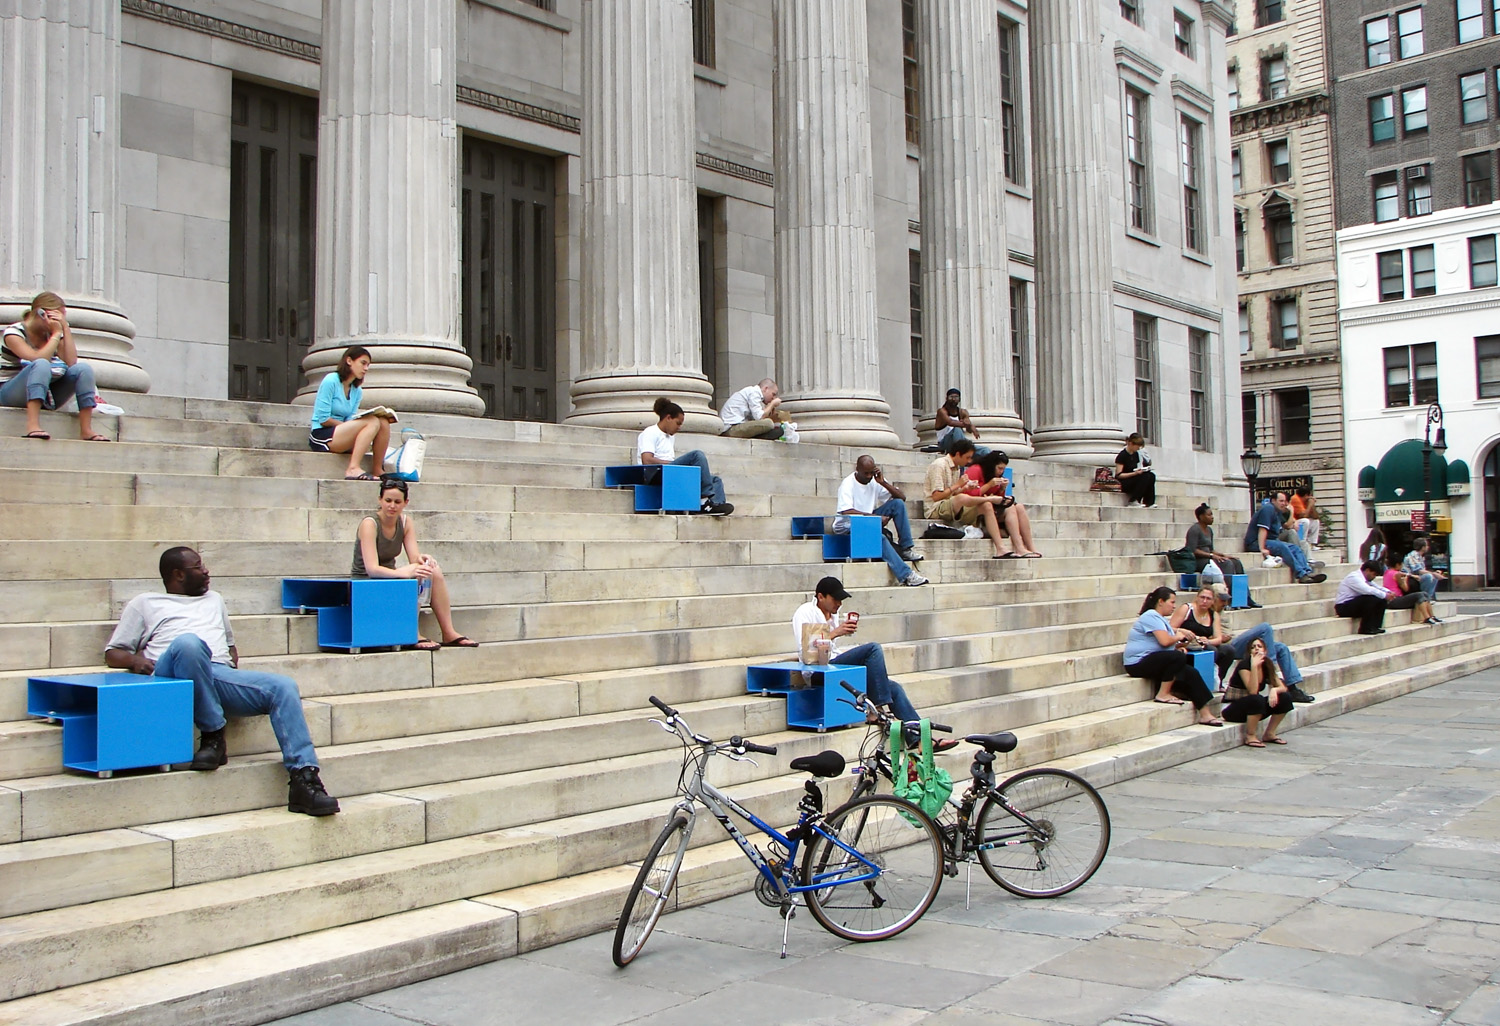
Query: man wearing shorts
[(949, 498)]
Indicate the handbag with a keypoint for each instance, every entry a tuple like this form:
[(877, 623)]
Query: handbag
[(919, 779), (1182, 561), (942, 531), (406, 461)]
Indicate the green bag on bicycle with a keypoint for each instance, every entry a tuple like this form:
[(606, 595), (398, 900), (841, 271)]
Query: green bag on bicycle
[(918, 778)]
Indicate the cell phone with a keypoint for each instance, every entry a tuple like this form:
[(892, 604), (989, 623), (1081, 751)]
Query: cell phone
[(852, 619)]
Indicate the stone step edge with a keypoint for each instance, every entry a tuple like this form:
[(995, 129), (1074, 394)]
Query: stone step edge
[(237, 987)]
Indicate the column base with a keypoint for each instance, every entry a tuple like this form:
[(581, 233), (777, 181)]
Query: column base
[(1002, 431), (1085, 445), (625, 401), (102, 334), (406, 375), (856, 420)]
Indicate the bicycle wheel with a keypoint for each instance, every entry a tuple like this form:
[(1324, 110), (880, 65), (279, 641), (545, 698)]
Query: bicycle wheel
[(648, 895), (904, 847), (1060, 851)]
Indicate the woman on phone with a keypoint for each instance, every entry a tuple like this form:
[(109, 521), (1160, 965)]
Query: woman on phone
[(1256, 690), (385, 535), (40, 366), (987, 472), (336, 422)]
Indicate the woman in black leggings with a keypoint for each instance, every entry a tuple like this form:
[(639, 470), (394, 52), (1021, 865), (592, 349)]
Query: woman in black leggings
[(1154, 651)]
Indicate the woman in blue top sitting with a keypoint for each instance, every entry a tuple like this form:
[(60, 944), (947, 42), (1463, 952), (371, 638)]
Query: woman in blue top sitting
[(1155, 651), (336, 424)]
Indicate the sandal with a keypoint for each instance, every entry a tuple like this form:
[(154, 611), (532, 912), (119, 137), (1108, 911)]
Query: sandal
[(40, 436), (461, 642), (1169, 701), (1007, 555), (96, 438), (1274, 740), (427, 645), (360, 477), (1210, 723), (1032, 555), (1251, 742)]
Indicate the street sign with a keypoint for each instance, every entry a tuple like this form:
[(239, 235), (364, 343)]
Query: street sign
[(1419, 520)]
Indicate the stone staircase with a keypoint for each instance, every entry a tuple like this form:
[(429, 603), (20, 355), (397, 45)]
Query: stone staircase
[(494, 798)]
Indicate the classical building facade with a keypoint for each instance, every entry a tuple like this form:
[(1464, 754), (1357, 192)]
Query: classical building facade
[(1283, 172), (1418, 116), (561, 209)]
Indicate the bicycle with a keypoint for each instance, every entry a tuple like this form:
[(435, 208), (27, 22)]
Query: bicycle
[(861, 890), (1057, 833)]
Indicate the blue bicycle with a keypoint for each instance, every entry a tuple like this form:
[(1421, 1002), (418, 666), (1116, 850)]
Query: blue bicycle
[(869, 869)]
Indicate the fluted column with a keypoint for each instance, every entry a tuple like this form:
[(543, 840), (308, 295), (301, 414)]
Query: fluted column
[(1078, 397), (965, 257), (642, 337), (827, 352), (60, 104), (387, 255)]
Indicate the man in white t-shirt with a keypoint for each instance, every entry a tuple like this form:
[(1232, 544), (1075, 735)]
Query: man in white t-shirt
[(751, 412), (828, 596), (185, 633), (866, 492), (656, 445)]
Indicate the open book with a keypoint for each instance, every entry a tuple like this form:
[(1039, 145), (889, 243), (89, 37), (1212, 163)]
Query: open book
[(383, 412)]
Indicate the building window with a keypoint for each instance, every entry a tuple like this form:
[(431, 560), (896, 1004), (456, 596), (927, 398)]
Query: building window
[(1145, 375), (1387, 197), (1244, 328), (1269, 12), (1182, 34), (1234, 87), (1138, 159), (1010, 112), (1478, 180), (704, 43), (1279, 161), (1293, 416), (1473, 98), (1392, 275), (1198, 385), (1190, 136), (545, 5), (1409, 32), (1239, 240), (1418, 190), (1280, 237), (1248, 418), (1382, 117), (1273, 78), (1482, 267), (1377, 42), (914, 303), (1414, 110), (1423, 270), (1130, 10), (1020, 349), (1411, 375), (909, 71), (1287, 333), (1236, 172), (1487, 362), (1470, 20)]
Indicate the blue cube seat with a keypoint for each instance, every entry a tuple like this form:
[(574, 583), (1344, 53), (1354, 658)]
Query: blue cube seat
[(356, 613), (660, 488)]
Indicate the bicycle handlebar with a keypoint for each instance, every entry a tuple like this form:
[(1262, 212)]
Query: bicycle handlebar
[(666, 709), (751, 746), (861, 699)]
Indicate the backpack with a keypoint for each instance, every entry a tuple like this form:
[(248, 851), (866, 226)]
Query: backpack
[(1182, 561), (919, 779)]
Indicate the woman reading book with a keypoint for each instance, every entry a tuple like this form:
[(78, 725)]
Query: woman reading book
[(339, 426)]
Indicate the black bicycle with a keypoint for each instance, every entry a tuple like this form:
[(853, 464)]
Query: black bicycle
[(1040, 834)]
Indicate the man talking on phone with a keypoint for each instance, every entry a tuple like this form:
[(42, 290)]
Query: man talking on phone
[(823, 610), (866, 492)]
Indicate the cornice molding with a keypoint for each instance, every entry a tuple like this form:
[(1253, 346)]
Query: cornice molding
[(166, 14), (1279, 112), (1417, 310), (526, 111), (1135, 292), (1137, 64), (745, 172), (1193, 96)]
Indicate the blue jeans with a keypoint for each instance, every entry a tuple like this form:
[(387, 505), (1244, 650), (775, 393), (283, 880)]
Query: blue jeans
[(1429, 587), (1291, 555), (896, 510), (948, 440), (34, 381), (712, 489), (878, 684), (1240, 645), (219, 689)]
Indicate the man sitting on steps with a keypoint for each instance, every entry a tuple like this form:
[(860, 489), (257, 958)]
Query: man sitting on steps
[(866, 492), (185, 633), (657, 446), (753, 412)]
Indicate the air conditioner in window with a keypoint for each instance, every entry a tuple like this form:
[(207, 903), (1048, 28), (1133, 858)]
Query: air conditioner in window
[(1417, 172)]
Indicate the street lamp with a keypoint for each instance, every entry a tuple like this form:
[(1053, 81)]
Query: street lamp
[(1250, 464), (1430, 446)]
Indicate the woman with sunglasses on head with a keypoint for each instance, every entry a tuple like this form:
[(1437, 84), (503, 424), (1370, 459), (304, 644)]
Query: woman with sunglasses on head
[(387, 533), (40, 367)]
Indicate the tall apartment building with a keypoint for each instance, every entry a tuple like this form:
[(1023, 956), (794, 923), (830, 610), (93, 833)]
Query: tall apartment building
[(1282, 137), (1416, 107), (560, 209)]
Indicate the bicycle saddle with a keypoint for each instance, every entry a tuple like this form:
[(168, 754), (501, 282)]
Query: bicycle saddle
[(824, 764), (1002, 742)]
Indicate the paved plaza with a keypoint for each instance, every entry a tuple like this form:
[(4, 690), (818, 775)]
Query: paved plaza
[(1349, 877)]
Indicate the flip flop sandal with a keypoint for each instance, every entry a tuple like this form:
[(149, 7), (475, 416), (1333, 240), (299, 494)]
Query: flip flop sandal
[(461, 642), (1169, 701), (1032, 555), (96, 438), (1252, 743), (1210, 723), (1275, 740), (427, 645), (1007, 555), (361, 477), (40, 436)]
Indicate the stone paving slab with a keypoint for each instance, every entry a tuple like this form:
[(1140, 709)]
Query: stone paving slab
[(1350, 877)]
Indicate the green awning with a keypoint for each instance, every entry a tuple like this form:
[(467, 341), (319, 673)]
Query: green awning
[(1398, 485)]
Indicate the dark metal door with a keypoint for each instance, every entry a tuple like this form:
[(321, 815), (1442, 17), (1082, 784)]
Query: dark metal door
[(508, 279), (273, 184)]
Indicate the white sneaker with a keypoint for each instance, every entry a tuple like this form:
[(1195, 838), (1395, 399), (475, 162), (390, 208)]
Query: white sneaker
[(914, 580), (973, 532), (1271, 563)]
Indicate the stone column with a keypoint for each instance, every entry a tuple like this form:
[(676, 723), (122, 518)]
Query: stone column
[(965, 256), (827, 352), (1078, 396), (641, 329), (387, 256), (60, 93)]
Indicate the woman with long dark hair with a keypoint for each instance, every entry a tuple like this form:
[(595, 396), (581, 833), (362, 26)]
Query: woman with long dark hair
[(1155, 651), (1255, 691), (338, 426)]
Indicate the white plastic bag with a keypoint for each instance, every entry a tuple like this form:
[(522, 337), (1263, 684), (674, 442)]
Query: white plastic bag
[(789, 432), (405, 461), (1211, 574)]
